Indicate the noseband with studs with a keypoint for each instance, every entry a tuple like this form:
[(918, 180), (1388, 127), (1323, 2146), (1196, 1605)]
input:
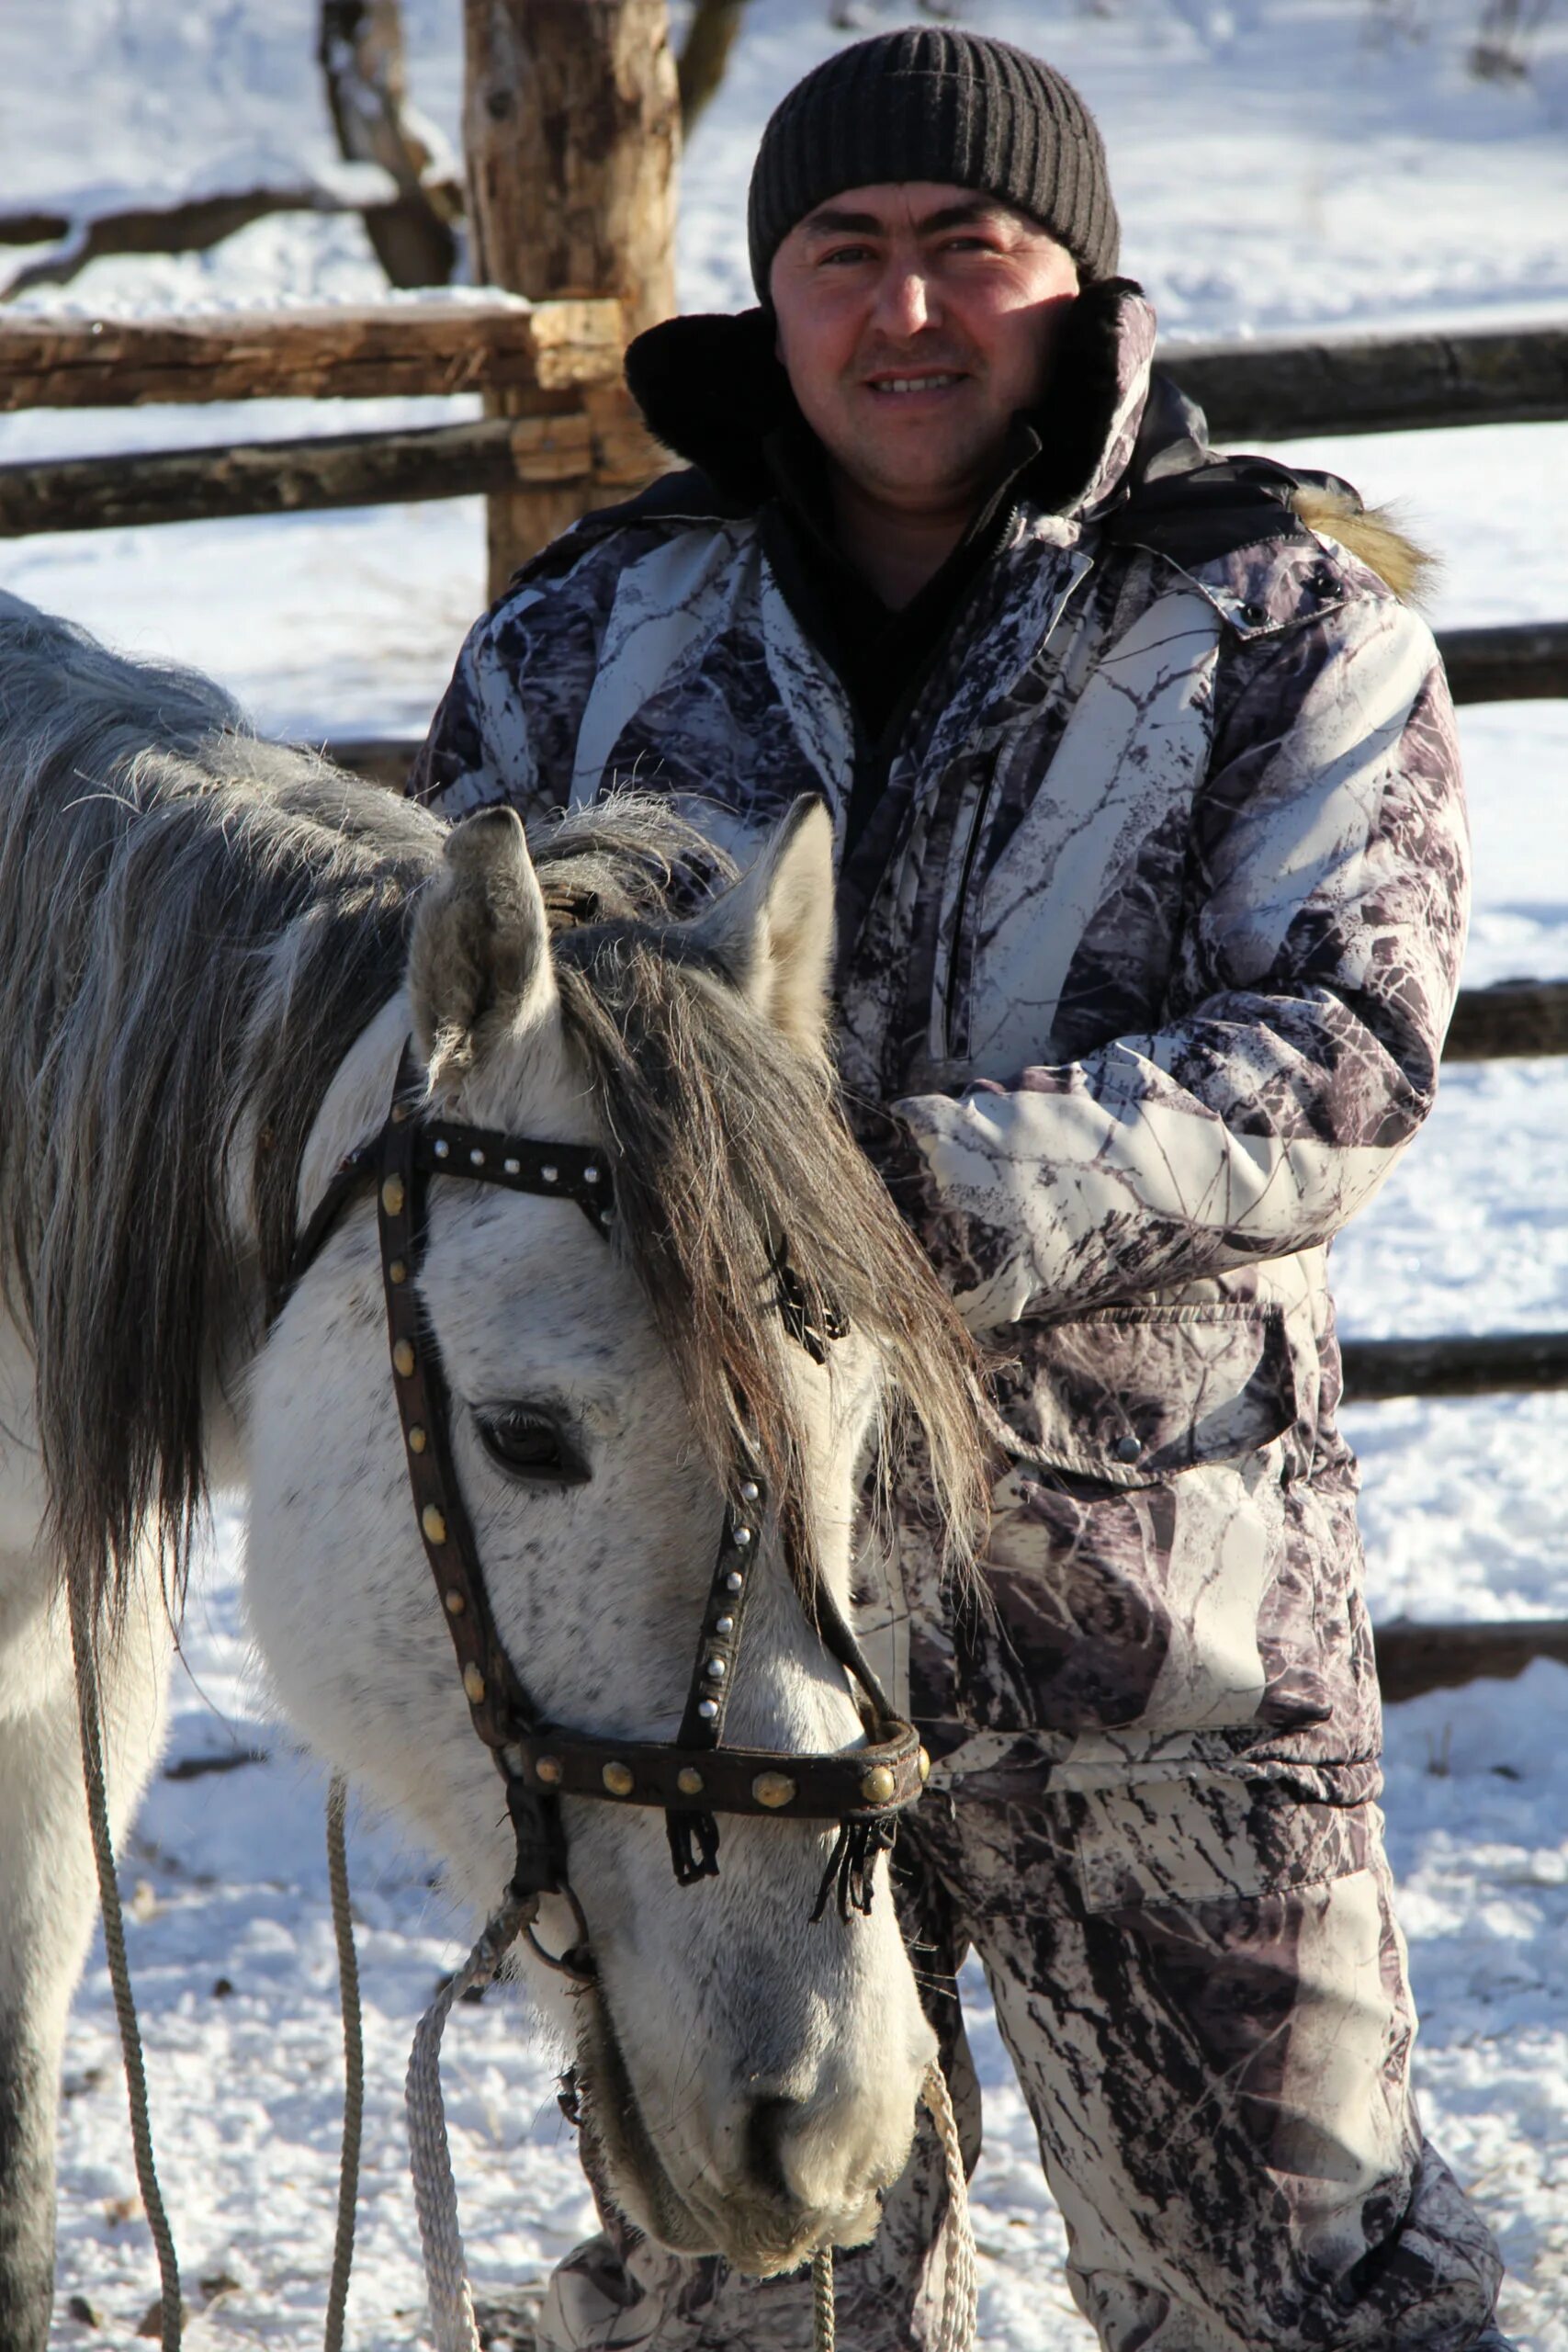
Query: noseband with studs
[(693, 1778)]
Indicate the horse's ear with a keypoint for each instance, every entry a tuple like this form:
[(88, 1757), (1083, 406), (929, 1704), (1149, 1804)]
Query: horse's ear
[(774, 931), (480, 968)]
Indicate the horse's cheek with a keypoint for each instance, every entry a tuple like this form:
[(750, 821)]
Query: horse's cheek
[(336, 1587)]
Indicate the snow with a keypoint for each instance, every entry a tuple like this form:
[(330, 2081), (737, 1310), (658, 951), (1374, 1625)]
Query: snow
[(1279, 163)]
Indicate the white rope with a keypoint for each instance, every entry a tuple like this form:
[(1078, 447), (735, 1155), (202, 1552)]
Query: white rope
[(430, 2159), (436, 2195), (960, 2284), (823, 2330), (960, 2281)]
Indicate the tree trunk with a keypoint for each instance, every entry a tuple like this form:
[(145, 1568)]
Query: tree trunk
[(572, 132)]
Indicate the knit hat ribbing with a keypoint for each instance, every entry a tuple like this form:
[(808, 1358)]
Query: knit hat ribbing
[(932, 103)]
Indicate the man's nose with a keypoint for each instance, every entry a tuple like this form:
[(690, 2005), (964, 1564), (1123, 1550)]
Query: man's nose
[(905, 302)]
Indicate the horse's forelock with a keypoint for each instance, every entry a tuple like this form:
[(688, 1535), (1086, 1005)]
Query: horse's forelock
[(730, 1146)]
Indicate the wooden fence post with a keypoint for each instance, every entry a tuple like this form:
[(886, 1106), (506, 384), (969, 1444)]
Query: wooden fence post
[(572, 134)]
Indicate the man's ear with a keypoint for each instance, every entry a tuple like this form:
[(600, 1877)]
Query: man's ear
[(772, 932), (480, 969)]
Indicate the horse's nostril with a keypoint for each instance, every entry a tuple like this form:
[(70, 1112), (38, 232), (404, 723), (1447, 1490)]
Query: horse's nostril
[(767, 2128)]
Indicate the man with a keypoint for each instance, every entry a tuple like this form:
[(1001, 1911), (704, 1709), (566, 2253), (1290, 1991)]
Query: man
[(1152, 896)]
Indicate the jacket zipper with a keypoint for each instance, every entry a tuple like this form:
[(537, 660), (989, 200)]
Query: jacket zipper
[(972, 847)]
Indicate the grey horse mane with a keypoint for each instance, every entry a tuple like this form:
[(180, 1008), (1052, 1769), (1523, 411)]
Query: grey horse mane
[(196, 925)]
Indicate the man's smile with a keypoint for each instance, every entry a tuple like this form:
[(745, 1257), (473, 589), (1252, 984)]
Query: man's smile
[(931, 380)]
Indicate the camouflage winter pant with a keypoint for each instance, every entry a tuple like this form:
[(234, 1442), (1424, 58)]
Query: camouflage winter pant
[(1191, 1943)]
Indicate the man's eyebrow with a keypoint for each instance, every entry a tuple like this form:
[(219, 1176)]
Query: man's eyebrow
[(962, 215), (834, 220)]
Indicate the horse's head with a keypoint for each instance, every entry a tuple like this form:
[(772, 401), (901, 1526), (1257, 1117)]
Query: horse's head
[(749, 2078)]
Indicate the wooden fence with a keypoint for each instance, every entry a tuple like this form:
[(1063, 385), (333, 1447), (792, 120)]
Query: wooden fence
[(558, 364), (560, 360)]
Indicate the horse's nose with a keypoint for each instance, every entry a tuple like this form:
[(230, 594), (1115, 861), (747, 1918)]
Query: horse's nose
[(811, 2159), (770, 2126)]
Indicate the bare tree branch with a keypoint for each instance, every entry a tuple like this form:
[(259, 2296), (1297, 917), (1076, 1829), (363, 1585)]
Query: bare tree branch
[(710, 36), (1504, 38), (33, 228), (360, 51), (191, 225)]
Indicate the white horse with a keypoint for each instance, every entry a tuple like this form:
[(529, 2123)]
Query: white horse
[(212, 950)]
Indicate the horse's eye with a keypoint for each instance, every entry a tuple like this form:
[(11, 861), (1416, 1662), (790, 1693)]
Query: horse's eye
[(529, 1444)]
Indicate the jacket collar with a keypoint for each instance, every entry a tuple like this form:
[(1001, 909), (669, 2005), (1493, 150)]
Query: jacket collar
[(711, 388)]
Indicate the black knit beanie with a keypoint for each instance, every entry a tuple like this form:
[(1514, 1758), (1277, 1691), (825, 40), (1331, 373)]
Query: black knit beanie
[(932, 103)]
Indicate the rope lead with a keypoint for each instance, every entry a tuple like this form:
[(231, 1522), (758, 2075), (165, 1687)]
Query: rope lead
[(436, 2195), (823, 2333), (353, 2064), (960, 2284), (430, 2158), (960, 2280), (89, 1713)]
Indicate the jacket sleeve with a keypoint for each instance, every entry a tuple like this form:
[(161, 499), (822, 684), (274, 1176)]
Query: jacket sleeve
[(506, 728), (1315, 971)]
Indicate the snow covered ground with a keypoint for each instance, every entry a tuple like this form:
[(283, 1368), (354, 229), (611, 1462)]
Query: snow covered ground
[(1278, 162)]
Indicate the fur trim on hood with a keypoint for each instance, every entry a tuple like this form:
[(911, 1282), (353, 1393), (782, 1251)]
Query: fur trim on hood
[(1373, 536)]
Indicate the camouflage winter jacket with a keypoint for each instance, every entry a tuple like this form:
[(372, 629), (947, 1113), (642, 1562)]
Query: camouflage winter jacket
[(1152, 937)]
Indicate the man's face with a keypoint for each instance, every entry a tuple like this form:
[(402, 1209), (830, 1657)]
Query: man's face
[(913, 319)]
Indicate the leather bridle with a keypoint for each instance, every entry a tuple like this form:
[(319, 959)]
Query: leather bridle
[(693, 1778)]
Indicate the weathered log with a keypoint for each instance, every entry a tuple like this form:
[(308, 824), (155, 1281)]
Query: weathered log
[(356, 352), (1458, 1365), (1526, 662), (1412, 1657), (571, 132), (360, 51), (1509, 1022), (1280, 391), (292, 477), (192, 225)]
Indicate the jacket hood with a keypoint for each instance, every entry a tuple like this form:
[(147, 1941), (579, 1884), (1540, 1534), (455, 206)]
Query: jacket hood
[(711, 389)]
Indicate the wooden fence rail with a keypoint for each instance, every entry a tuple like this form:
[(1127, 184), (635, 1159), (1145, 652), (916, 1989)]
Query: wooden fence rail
[(1523, 662), (1413, 1659), (320, 471), (1280, 391), (1514, 1022), (353, 351), (1461, 1364)]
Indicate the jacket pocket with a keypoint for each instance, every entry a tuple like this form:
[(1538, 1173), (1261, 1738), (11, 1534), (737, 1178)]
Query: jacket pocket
[(1132, 1571), (1127, 1395), (1201, 1836)]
